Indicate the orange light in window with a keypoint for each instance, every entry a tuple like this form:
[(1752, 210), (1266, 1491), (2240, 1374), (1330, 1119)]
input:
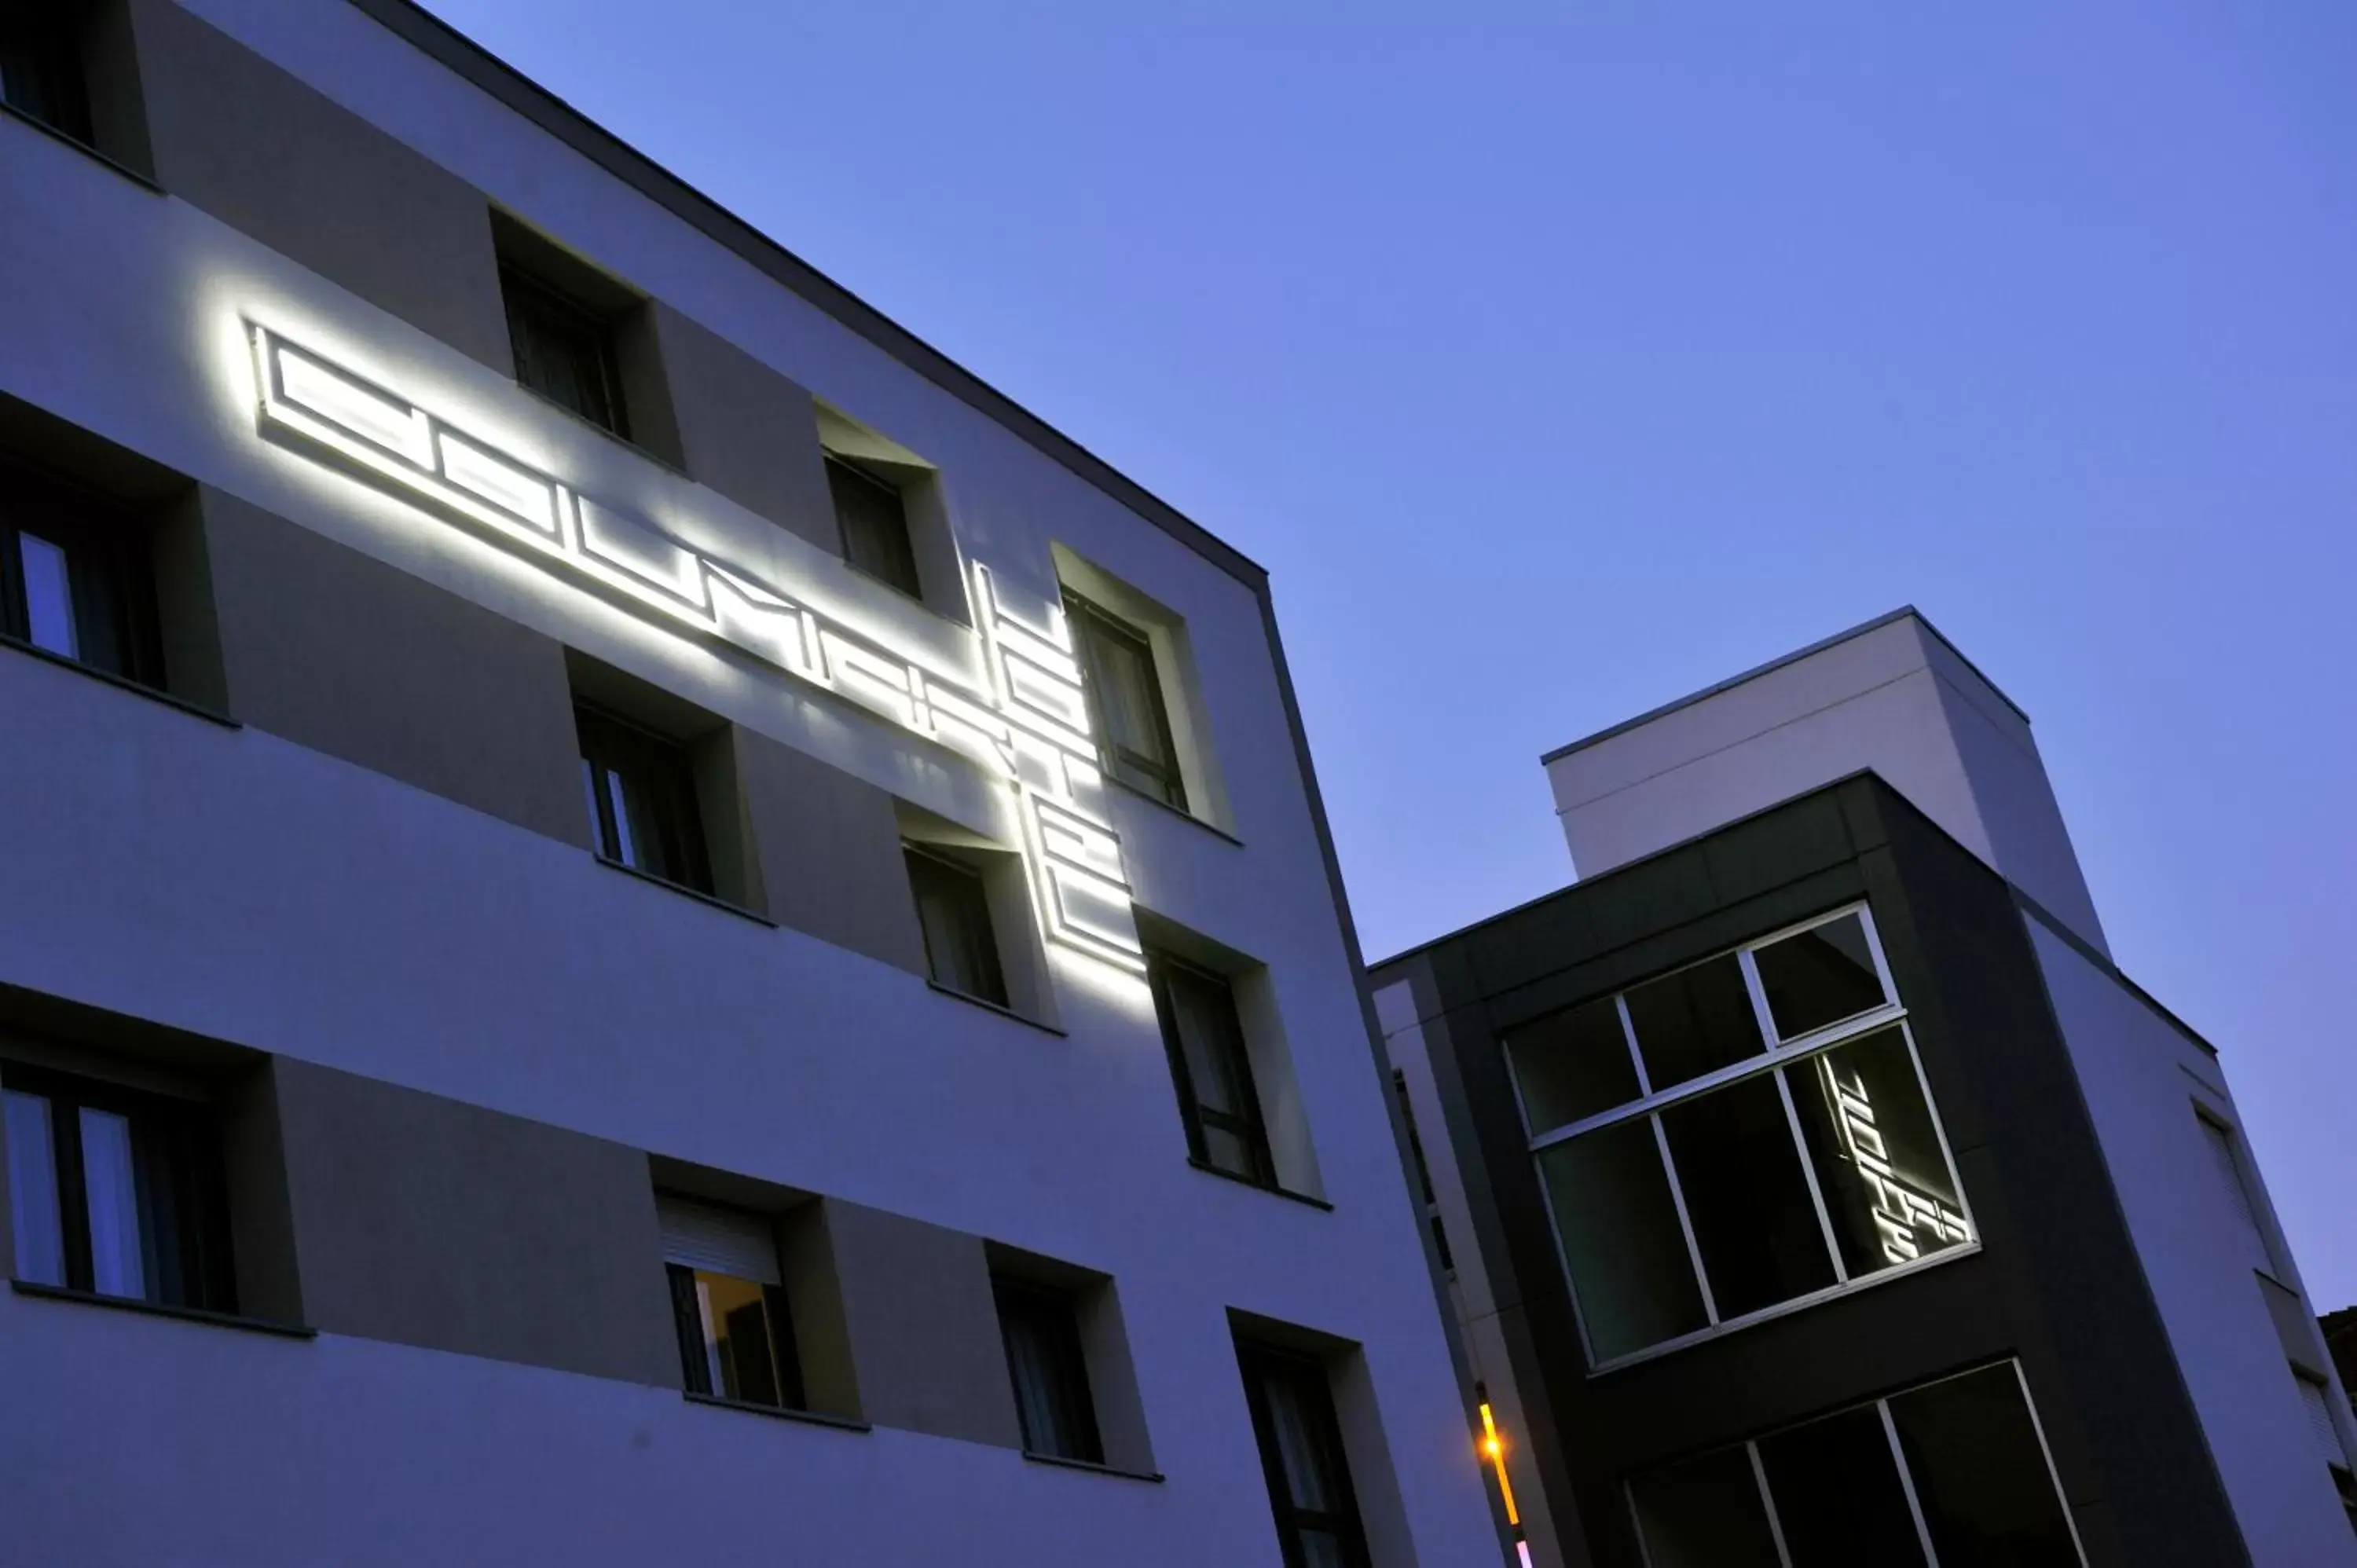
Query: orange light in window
[(1494, 1450)]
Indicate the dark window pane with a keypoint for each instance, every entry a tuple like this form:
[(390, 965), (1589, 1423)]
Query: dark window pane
[(1981, 1475), (1572, 1065), (1621, 1240), (1837, 1494), (1302, 1458), (1125, 701), (1747, 1198), (875, 525), (1703, 1512), (1423, 1171), (687, 1325), (33, 1191), (1210, 1068), (1870, 1136), (1692, 1022), (40, 71), (563, 351), (641, 794), (1049, 1375), (953, 912), (1821, 976)]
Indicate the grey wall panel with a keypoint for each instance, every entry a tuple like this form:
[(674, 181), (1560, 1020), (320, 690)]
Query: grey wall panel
[(744, 430), (923, 1326), (828, 846), (337, 651), (235, 135), (427, 1221)]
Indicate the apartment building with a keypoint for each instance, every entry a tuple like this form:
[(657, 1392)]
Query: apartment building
[(1813, 1189), (642, 924)]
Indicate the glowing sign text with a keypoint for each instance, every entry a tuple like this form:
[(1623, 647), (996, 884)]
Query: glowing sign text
[(1901, 1209)]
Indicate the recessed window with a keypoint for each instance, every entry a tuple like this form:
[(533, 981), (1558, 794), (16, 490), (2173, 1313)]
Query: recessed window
[(42, 73), (1302, 1459), (1124, 696), (563, 349), (728, 1304), (640, 792), (115, 1192), (1041, 1333), (953, 912), (1204, 1035), (74, 579), (873, 516)]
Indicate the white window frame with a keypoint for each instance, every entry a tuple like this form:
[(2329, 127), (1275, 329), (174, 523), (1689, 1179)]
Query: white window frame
[(1778, 1053)]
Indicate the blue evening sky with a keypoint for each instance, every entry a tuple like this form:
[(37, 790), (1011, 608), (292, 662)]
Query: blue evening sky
[(1558, 359)]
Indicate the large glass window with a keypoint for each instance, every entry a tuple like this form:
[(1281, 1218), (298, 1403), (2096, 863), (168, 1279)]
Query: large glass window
[(1205, 1038), (1125, 694), (1737, 1134), (1953, 1472)]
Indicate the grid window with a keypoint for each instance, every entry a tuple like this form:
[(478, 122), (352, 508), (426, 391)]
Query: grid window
[(41, 69), (874, 519), (729, 1305), (953, 912), (114, 1192), (1738, 1134), (1125, 694), (640, 795), (73, 581), (563, 349), (1301, 1456), (1047, 1370), (1205, 1038)]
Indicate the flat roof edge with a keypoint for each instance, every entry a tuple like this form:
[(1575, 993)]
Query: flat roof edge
[(444, 44), (1904, 612)]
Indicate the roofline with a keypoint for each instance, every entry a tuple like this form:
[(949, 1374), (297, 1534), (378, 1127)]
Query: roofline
[(440, 41), (1903, 612)]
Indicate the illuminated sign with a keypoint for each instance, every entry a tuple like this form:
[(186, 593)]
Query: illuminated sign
[(1901, 1209), (1023, 715)]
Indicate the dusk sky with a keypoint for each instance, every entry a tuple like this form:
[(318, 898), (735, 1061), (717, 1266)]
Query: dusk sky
[(1559, 360)]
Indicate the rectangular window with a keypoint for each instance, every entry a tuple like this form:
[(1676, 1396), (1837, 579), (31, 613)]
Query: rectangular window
[(728, 1304), (1047, 1370), (953, 911), (74, 579), (1954, 1472), (2218, 1140), (115, 1192), (42, 73), (1423, 1171), (1205, 1039), (1737, 1134), (564, 348), (640, 795), (1124, 696), (874, 519), (1301, 1456)]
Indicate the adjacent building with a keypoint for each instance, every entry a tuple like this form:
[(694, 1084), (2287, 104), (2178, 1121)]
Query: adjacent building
[(1812, 1188), (641, 923)]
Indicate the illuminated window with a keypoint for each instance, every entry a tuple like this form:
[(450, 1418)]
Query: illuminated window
[(1205, 1038), (1737, 1134), (1301, 1457), (41, 67), (73, 578), (953, 912), (1042, 1334), (1125, 694), (728, 1304), (640, 795), (115, 1192), (874, 519)]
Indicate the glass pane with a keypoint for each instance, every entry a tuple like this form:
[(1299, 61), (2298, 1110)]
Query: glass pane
[(1126, 685), (1837, 1494), (1050, 1376), (1230, 1152), (48, 596), (1818, 977), (33, 1191), (625, 844), (1877, 1152), (737, 1330), (1692, 1022), (875, 525), (960, 951), (1748, 1197), (111, 1184), (1572, 1065), (1981, 1475), (1620, 1239), (1203, 1012), (1296, 1428), (1703, 1513)]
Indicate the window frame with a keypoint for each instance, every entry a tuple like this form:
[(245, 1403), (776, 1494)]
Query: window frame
[(914, 851), (607, 741), (527, 296), (1778, 1053), (1055, 1310), (1088, 620), (1256, 1361), (1252, 1126), (858, 475), (105, 547)]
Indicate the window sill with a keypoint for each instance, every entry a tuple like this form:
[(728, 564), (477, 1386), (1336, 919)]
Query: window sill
[(158, 1309), (122, 682), (77, 144), (1183, 815), (1092, 1468), (778, 1412), (685, 891), (987, 1005), (1210, 1169), (616, 437)]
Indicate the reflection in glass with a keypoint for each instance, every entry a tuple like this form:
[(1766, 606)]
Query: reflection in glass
[(1818, 977), (1871, 1138), (48, 596), (1629, 1270), (1980, 1473), (1694, 1020), (1703, 1512), (33, 1191), (1838, 1495), (111, 1184), (1572, 1065), (1748, 1197)]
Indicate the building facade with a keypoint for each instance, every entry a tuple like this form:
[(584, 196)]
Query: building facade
[(642, 923), (1814, 1190)]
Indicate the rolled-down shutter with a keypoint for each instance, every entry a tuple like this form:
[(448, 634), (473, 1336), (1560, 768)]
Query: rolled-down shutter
[(718, 1241)]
